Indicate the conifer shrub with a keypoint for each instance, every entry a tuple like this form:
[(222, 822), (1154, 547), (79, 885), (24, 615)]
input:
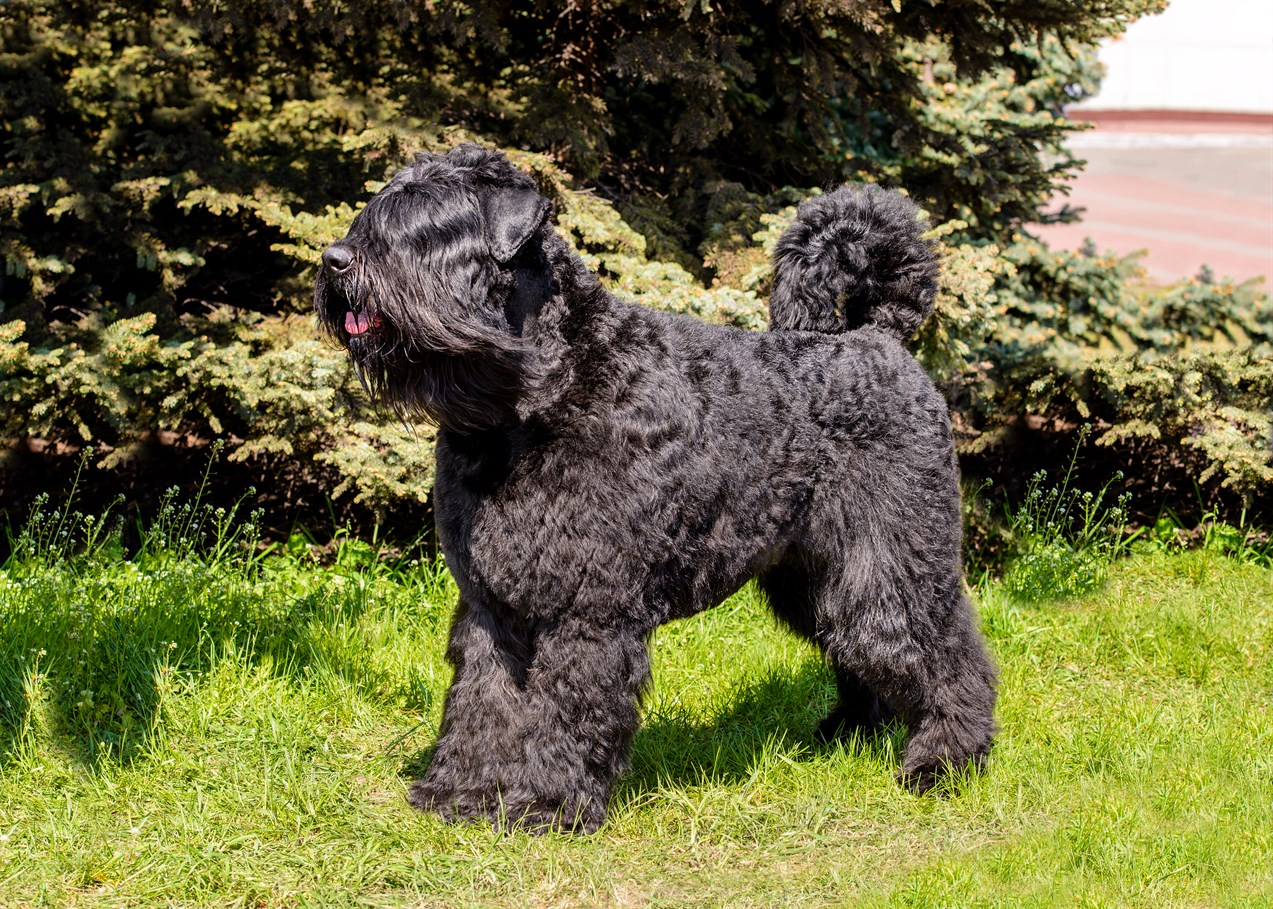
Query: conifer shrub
[(172, 171)]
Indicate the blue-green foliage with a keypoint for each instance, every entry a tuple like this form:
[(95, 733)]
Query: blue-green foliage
[(170, 174)]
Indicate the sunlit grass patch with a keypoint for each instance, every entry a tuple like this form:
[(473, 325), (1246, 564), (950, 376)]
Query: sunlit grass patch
[(241, 730)]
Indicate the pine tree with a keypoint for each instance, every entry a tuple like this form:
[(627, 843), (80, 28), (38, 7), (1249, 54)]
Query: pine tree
[(170, 172)]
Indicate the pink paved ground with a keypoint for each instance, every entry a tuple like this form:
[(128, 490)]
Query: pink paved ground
[(1145, 187)]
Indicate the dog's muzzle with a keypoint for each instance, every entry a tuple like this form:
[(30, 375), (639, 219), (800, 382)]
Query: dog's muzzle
[(338, 261)]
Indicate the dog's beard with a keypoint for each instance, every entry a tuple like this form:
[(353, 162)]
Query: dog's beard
[(463, 392), (444, 367)]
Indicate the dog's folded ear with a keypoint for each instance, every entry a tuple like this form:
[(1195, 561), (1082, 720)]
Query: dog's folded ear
[(513, 215)]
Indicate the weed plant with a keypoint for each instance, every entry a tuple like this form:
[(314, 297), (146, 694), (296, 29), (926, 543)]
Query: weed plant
[(1067, 537), (1240, 541), (55, 535)]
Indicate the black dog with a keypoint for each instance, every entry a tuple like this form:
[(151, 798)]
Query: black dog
[(603, 468)]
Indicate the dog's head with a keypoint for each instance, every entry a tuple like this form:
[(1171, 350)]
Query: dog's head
[(432, 287)]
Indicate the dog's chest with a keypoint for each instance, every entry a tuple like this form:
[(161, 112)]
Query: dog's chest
[(552, 529), (549, 549)]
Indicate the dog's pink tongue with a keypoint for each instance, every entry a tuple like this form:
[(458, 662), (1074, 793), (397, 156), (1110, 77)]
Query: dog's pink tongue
[(356, 322)]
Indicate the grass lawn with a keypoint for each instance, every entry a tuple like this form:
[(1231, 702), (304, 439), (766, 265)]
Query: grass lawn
[(189, 734)]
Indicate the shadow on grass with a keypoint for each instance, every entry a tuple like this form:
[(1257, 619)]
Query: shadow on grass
[(90, 678), (413, 767), (95, 702), (776, 713)]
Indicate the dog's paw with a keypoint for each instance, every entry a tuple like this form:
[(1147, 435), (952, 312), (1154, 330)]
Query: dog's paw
[(920, 781), (455, 807), (540, 817), (940, 776), (534, 817), (428, 795)]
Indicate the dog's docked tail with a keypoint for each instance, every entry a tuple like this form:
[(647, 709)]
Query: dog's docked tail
[(854, 257)]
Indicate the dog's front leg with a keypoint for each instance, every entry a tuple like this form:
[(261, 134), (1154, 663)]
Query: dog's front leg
[(483, 723), (583, 688), (537, 723)]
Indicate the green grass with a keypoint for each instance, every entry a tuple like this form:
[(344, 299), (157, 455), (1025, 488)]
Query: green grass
[(198, 731)]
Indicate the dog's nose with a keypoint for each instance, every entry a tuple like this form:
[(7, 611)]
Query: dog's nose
[(338, 258)]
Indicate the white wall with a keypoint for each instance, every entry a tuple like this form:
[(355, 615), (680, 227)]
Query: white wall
[(1197, 55)]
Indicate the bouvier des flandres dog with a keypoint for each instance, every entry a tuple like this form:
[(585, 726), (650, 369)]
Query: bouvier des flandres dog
[(603, 468)]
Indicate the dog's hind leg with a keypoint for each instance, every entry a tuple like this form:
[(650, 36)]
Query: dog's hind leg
[(914, 640), (793, 592), (859, 710)]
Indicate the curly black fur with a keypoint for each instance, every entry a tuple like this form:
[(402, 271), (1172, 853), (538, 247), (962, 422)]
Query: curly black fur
[(603, 468), (854, 257)]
